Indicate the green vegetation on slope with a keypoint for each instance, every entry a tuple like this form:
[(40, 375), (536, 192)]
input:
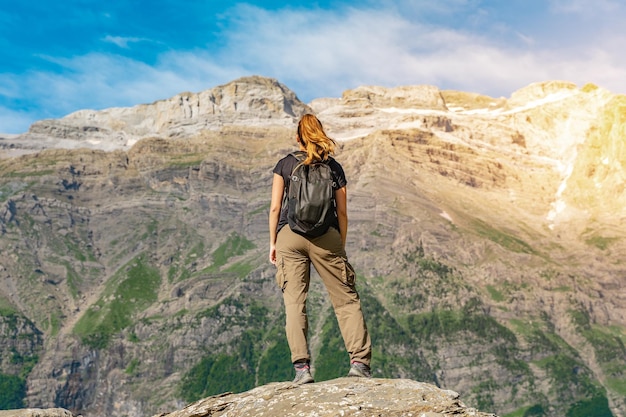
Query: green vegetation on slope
[(608, 345), (12, 392), (258, 356), (570, 380), (19, 346), (235, 245), (601, 242), (596, 407), (220, 372), (130, 291), (13, 387), (506, 240), (6, 308)]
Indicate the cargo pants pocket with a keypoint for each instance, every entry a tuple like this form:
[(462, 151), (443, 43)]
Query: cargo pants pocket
[(348, 274), (280, 275)]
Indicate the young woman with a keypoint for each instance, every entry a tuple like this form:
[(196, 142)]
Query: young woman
[(293, 254)]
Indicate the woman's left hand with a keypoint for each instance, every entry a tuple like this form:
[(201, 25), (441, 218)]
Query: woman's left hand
[(273, 254)]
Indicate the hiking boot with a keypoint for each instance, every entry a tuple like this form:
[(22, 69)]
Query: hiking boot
[(303, 376), (360, 370)]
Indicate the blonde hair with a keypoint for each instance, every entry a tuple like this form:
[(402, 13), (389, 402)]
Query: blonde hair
[(312, 136)]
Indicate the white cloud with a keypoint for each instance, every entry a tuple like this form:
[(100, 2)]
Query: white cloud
[(122, 41), (324, 52), (587, 7)]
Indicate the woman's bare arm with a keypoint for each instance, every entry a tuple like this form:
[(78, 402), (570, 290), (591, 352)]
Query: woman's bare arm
[(341, 199), (278, 186)]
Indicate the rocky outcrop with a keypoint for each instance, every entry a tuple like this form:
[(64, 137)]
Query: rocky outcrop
[(344, 396), (340, 397)]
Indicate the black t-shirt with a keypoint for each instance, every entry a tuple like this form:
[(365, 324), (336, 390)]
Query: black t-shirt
[(285, 167)]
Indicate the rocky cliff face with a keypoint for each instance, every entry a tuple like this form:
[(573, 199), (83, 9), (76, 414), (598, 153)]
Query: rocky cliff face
[(488, 236)]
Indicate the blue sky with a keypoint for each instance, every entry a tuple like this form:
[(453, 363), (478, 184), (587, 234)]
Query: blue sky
[(66, 55)]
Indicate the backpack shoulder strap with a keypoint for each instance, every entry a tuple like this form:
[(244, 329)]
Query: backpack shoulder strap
[(299, 155)]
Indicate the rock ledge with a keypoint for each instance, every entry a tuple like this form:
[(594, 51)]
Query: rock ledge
[(338, 397)]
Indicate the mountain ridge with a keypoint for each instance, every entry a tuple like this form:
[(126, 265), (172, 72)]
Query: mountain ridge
[(482, 241)]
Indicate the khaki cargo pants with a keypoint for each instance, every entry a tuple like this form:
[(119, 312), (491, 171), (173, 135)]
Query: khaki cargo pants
[(294, 255)]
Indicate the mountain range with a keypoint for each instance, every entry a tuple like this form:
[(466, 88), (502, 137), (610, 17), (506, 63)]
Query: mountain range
[(488, 236)]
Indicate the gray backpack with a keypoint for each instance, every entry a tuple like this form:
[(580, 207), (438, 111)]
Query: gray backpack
[(311, 198)]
